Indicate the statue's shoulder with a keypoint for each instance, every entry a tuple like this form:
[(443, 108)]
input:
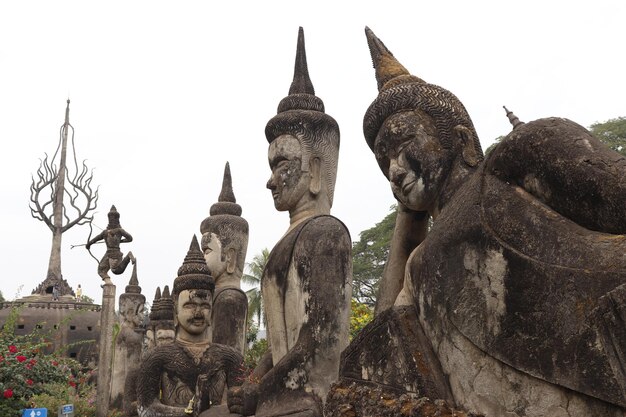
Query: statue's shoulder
[(324, 227), (225, 354)]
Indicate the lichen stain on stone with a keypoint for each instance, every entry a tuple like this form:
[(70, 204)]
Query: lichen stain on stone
[(534, 186), (295, 379), (488, 276)]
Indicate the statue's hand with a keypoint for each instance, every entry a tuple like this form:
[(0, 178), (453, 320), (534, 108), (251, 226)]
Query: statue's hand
[(243, 399), (404, 210)]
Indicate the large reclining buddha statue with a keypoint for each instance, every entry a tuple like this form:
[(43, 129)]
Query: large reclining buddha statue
[(519, 288)]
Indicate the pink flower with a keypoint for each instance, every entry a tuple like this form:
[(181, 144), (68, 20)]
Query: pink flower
[(55, 363), (20, 358), (29, 381), (8, 393), (13, 349)]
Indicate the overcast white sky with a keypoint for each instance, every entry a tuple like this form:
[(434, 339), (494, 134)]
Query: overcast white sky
[(164, 93)]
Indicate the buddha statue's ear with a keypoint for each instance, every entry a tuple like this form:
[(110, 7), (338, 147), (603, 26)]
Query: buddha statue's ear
[(231, 260), (315, 170), (466, 138)]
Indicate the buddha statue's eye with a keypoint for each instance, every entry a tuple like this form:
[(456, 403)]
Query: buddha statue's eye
[(381, 149)]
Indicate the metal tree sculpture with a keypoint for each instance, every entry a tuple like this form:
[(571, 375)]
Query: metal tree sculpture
[(51, 183)]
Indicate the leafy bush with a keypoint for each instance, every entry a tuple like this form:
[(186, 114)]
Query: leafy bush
[(254, 354), (26, 371), (360, 317), (83, 397)]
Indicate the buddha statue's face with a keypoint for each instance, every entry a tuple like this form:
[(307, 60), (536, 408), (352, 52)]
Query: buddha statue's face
[(288, 183), (193, 312), (408, 146), (132, 312), (212, 248)]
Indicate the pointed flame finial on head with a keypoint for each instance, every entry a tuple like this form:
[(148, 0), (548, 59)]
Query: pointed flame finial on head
[(301, 81), (513, 119), (227, 193), (301, 92), (166, 292), (386, 65), (133, 285)]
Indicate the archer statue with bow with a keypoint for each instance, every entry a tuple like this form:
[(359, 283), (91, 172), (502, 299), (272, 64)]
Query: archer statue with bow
[(113, 260)]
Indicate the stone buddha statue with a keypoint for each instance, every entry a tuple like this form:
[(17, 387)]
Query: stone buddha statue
[(224, 243), (306, 283), (129, 340), (191, 374), (519, 289)]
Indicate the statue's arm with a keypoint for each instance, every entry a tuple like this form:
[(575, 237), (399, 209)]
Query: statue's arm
[(149, 385), (95, 239), (126, 237), (410, 230), (230, 309)]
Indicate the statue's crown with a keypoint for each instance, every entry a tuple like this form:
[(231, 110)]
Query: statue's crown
[(301, 104), (194, 273)]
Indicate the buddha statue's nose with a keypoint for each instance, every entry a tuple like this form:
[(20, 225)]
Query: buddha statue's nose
[(396, 173)]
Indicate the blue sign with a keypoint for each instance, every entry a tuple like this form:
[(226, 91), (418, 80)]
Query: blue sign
[(35, 412), (67, 409)]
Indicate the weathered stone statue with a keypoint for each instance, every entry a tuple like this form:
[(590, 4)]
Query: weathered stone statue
[(520, 285), (129, 340), (149, 340), (306, 283), (160, 331), (112, 236), (224, 243), (192, 373), (163, 324)]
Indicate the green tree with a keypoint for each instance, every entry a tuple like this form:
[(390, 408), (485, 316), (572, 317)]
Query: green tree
[(360, 317), (612, 132), (86, 299), (255, 298), (2, 300), (369, 255), (494, 144)]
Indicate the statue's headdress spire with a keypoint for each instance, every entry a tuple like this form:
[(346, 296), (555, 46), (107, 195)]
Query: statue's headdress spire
[(226, 209), (513, 118), (386, 65), (133, 285), (133, 290), (226, 202), (301, 92), (301, 81)]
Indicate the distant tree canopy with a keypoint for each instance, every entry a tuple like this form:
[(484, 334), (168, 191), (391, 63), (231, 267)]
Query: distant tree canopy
[(369, 256), (612, 133), (2, 300), (86, 299)]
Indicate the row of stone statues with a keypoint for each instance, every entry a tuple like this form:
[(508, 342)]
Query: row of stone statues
[(513, 303)]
